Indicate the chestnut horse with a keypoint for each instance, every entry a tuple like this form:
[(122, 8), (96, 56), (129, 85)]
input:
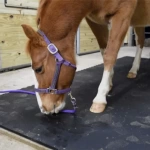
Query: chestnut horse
[(58, 20)]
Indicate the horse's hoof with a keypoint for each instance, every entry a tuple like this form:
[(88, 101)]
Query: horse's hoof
[(131, 75), (97, 107)]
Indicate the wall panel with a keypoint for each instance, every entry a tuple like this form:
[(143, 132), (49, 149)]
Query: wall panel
[(88, 42), (13, 40)]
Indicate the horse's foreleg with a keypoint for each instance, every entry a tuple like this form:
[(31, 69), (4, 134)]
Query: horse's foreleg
[(101, 33), (120, 24), (140, 36)]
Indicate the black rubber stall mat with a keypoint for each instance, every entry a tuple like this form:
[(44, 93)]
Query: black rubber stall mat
[(125, 124)]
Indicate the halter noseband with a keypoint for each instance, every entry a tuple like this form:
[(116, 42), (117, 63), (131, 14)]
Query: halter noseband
[(59, 62)]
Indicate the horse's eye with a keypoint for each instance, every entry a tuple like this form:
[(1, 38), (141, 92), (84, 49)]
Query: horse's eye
[(38, 70)]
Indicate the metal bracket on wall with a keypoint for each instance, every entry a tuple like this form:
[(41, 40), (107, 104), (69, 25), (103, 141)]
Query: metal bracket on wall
[(13, 6)]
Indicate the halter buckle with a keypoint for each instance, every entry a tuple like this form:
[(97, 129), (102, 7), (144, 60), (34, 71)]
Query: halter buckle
[(52, 48), (51, 91)]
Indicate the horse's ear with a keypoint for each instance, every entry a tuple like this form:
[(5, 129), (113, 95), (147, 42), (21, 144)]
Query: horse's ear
[(30, 32)]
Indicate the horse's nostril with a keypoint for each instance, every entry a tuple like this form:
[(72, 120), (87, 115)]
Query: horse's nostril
[(58, 103), (54, 109), (38, 70), (44, 108)]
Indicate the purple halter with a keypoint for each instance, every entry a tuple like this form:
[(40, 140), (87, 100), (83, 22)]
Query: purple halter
[(52, 89), (59, 62)]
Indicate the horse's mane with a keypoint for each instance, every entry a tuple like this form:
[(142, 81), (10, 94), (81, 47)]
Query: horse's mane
[(41, 8)]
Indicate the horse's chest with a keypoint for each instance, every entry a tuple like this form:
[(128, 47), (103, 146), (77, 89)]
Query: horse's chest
[(99, 19)]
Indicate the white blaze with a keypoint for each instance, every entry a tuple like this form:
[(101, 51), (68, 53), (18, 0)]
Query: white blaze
[(38, 96)]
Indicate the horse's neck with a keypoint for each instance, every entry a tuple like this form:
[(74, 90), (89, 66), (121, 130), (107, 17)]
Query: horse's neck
[(62, 17), (60, 22)]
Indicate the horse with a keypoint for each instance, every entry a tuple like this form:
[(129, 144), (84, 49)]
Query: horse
[(58, 21)]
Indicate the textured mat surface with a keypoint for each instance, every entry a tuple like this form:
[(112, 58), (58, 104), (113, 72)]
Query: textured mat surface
[(125, 124)]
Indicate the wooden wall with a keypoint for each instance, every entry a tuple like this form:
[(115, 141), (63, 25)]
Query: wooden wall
[(88, 42), (25, 3), (12, 38)]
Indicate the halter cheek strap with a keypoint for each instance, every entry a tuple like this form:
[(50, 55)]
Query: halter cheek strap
[(59, 62)]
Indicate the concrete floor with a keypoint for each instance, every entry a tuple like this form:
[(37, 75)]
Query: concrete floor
[(23, 78), (12, 141)]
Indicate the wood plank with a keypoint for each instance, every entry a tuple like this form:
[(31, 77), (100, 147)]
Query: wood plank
[(23, 3), (88, 42), (6, 10), (13, 40), (0, 62)]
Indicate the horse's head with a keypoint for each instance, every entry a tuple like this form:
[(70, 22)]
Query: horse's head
[(44, 67), (59, 19)]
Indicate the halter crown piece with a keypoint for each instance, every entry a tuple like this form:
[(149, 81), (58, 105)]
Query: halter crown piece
[(59, 62)]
